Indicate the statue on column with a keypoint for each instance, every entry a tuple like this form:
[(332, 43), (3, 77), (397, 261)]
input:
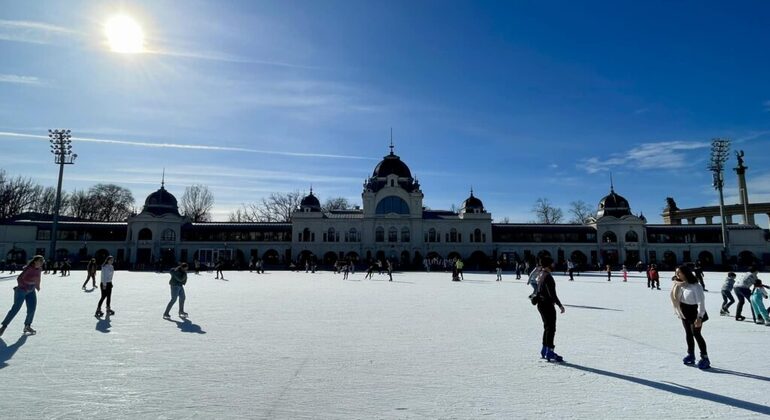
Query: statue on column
[(739, 154)]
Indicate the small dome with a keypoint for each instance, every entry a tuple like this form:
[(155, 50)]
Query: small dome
[(161, 202), (473, 205), (391, 165), (613, 204), (310, 203)]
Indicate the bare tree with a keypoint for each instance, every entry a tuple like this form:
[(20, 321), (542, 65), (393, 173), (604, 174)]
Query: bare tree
[(336, 203), (546, 213), (505, 219), (112, 203), (197, 202), (79, 205), (278, 207), (581, 212), (17, 195)]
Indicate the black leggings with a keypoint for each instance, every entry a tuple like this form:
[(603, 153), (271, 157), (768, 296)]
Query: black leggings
[(106, 294), (548, 313), (692, 333)]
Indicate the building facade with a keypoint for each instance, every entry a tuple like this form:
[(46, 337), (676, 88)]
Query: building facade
[(392, 224)]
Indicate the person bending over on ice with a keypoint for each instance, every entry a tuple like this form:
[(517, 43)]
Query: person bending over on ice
[(727, 294), (742, 291), (690, 306), (177, 282), (27, 282), (546, 300)]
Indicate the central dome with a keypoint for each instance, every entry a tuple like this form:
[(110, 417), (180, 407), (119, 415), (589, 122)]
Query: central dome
[(613, 204), (161, 202), (391, 165)]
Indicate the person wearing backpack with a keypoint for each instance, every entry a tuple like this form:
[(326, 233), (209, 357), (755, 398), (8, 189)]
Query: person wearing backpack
[(27, 283)]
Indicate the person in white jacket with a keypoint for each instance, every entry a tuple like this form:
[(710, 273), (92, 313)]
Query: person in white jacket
[(690, 306), (106, 287)]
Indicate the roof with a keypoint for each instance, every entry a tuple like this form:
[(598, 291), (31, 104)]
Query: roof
[(391, 165)]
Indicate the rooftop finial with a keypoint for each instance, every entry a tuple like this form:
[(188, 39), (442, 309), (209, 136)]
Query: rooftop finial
[(163, 179), (471, 190), (612, 186), (391, 141), (311, 189)]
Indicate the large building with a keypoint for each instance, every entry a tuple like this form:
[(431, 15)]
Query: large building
[(392, 224)]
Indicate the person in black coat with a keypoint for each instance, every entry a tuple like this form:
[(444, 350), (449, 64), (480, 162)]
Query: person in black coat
[(546, 300)]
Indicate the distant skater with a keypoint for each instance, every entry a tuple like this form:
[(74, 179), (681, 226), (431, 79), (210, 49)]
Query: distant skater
[(546, 300), (571, 270), (654, 277), (106, 288), (727, 294), (390, 270), (499, 271), (609, 272), (27, 283), (177, 282), (625, 273), (518, 270), (91, 270), (690, 306), (197, 265), (756, 303), (345, 271), (369, 271), (699, 275), (218, 269), (460, 265)]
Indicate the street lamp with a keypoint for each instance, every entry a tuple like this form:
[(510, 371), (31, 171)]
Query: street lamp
[(720, 149), (61, 147)]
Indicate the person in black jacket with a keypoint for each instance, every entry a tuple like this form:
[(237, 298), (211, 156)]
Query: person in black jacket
[(546, 292)]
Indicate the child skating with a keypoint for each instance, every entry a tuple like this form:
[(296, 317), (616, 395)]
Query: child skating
[(756, 302), (727, 294)]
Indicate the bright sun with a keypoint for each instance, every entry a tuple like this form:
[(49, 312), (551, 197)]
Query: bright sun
[(124, 35)]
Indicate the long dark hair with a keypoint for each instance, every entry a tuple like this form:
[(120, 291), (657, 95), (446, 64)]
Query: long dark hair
[(32, 261), (688, 273)]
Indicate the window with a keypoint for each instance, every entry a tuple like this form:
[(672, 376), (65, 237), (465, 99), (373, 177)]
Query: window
[(609, 237), (145, 235), (331, 235), (476, 236), (453, 237), (405, 237), (306, 235), (392, 234), (379, 234), (432, 236), (168, 235), (631, 236), (392, 204), (352, 235)]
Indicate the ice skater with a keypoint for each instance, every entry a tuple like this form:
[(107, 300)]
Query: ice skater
[(609, 272), (105, 286), (654, 277), (369, 271), (571, 270), (27, 283), (460, 265), (177, 282), (625, 273), (689, 303), (546, 300), (756, 303), (390, 270), (91, 274), (727, 294), (699, 275), (218, 269), (345, 271), (499, 271), (197, 265), (743, 291)]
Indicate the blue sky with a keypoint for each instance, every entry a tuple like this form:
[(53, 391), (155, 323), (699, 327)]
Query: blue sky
[(518, 100)]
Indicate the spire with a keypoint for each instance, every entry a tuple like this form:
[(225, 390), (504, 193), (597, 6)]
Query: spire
[(163, 179), (471, 190), (612, 187), (311, 189), (391, 141)]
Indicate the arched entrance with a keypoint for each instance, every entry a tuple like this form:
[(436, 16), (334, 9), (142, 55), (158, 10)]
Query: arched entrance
[(271, 257), (579, 258), (405, 261), (453, 255), (669, 259), (477, 261), (145, 235), (330, 258), (61, 254), (706, 259), (746, 258)]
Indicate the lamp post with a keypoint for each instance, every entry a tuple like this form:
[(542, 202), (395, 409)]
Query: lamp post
[(61, 147), (720, 149)]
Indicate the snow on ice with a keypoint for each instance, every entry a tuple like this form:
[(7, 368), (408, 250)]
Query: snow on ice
[(302, 345)]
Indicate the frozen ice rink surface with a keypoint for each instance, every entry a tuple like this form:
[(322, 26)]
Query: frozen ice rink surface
[(296, 345)]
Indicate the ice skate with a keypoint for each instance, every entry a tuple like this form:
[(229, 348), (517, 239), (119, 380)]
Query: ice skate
[(689, 359), (166, 316), (543, 352), (99, 314), (110, 311), (551, 356), (182, 314), (704, 363), (28, 330)]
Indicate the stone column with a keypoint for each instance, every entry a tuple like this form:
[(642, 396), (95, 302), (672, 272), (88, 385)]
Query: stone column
[(709, 220), (743, 192), (690, 220)]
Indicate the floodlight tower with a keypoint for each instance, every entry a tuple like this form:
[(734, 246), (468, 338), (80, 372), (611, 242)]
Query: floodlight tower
[(61, 147), (720, 152)]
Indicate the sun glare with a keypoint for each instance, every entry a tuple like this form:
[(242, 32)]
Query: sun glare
[(124, 35)]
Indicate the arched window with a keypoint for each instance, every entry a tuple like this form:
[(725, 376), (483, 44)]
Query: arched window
[(432, 235), (168, 235), (609, 237), (331, 235), (145, 235), (392, 204), (632, 236), (476, 236), (452, 235), (392, 234), (306, 236), (379, 234), (405, 234), (352, 235)]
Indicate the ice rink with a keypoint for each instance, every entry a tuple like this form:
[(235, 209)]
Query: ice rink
[(301, 345)]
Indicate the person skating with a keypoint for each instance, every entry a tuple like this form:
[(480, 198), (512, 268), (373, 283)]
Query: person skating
[(390, 271), (743, 291), (756, 303), (197, 265), (699, 275), (460, 265), (91, 274), (218, 269), (625, 273), (369, 271), (27, 283), (518, 270), (345, 271), (499, 271), (105, 286), (546, 300), (609, 272), (177, 282), (689, 303), (727, 295), (654, 277), (571, 270)]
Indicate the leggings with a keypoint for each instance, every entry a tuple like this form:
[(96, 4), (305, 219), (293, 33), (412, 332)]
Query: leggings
[(548, 313), (106, 289), (692, 333)]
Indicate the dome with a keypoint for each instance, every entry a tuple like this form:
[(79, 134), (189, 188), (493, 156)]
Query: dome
[(310, 203), (161, 202), (473, 205), (391, 165), (613, 204)]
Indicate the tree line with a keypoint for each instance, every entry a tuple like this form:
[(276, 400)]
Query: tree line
[(101, 202)]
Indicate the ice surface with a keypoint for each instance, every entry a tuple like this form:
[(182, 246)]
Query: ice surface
[(297, 345)]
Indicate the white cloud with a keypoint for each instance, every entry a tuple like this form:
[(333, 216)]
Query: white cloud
[(660, 155), (32, 32), (766, 104), (23, 80)]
